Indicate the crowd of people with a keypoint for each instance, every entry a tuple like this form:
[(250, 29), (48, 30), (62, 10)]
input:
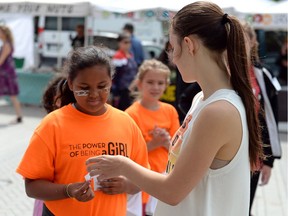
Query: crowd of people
[(109, 138)]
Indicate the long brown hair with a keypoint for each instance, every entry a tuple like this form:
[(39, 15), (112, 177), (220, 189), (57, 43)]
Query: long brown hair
[(8, 34), (221, 33)]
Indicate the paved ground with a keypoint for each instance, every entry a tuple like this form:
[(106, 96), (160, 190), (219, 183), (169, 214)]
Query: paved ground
[(271, 200)]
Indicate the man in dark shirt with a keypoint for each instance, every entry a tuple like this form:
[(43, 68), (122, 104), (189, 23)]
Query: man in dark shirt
[(78, 40), (136, 46)]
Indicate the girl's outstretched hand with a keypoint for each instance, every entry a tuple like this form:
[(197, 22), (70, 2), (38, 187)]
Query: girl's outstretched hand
[(105, 166)]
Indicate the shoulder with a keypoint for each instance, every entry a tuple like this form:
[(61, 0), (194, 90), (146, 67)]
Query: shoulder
[(53, 117), (218, 116), (7, 48), (119, 59), (48, 123), (136, 40), (125, 119), (132, 107), (134, 110), (119, 55), (120, 115), (218, 123), (271, 81), (167, 106)]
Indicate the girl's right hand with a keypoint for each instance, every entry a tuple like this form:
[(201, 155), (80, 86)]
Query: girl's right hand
[(81, 191)]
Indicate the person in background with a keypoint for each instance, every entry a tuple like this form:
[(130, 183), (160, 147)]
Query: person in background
[(125, 72), (218, 144), (79, 39), (265, 88), (136, 45), (176, 83), (53, 165), (158, 121), (8, 77), (51, 102), (186, 97), (282, 62), (51, 95)]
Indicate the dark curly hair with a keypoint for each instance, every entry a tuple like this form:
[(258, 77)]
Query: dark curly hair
[(51, 94)]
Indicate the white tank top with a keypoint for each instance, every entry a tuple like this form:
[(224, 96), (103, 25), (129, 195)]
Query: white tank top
[(221, 192)]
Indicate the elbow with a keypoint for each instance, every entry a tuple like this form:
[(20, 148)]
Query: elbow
[(173, 200), (29, 192), (29, 188), (175, 196), (172, 203)]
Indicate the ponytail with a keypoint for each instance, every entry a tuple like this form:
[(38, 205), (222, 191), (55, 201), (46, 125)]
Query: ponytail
[(240, 80)]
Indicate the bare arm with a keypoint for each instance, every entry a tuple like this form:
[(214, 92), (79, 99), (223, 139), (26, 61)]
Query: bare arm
[(46, 190), (6, 50), (216, 120)]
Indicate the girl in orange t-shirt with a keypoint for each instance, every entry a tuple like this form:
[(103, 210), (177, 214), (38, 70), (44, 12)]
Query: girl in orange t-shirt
[(157, 120), (85, 125)]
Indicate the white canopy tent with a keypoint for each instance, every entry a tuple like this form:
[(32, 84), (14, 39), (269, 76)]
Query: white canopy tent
[(90, 8), (18, 15), (245, 6)]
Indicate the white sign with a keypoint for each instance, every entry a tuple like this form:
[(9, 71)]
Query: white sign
[(78, 9)]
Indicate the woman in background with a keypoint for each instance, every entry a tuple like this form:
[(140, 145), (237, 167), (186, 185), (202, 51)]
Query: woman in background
[(8, 78)]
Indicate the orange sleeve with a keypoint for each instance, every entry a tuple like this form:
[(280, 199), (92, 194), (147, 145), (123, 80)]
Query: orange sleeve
[(38, 160), (132, 112)]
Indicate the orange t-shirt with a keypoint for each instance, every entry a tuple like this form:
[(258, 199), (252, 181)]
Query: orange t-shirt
[(62, 143), (165, 117)]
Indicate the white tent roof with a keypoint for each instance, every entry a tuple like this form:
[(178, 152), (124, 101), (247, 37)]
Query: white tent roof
[(245, 6), (281, 7)]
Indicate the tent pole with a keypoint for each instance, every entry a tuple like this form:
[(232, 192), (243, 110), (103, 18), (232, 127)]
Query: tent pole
[(59, 29)]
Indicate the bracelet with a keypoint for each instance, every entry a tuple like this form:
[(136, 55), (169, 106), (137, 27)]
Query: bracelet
[(67, 191)]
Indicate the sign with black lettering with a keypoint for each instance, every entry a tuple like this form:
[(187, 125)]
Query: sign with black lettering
[(79, 9)]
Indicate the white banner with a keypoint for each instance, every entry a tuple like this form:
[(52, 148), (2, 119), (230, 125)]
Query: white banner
[(22, 29), (80, 9)]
